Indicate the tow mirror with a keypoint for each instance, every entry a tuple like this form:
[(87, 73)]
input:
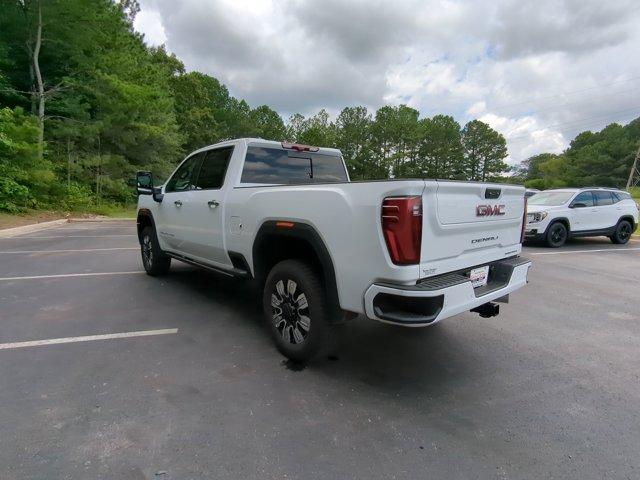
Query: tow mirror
[(144, 183), (144, 186)]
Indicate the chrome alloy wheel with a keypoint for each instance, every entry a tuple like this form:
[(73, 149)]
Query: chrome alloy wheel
[(290, 312), (147, 251)]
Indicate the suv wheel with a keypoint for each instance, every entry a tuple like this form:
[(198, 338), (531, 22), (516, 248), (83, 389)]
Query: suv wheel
[(154, 260), (623, 232), (557, 235), (295, 310)]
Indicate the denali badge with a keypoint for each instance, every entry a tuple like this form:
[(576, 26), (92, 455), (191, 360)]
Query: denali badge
[(484, 239), (488, 210)]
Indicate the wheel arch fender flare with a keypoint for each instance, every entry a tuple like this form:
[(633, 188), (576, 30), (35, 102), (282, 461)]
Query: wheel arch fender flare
[(299, 232), (628, 218), (563, 220), (144, 219)]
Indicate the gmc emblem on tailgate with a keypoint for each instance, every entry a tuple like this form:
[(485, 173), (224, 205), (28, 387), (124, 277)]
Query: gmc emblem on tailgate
[(489, 210)]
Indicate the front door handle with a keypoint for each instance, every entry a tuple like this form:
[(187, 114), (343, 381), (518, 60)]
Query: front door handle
[(213, 203), (178, 203)]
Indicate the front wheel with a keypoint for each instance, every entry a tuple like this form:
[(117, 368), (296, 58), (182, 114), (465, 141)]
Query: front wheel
[(623, 233), (557, 235), (295, 309), (154, 260)]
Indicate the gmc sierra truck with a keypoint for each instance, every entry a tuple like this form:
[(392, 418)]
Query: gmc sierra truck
[(323, 249)]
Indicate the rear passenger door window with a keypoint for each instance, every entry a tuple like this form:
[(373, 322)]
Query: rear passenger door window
[(606, 211), (213, 169), (603, 198)]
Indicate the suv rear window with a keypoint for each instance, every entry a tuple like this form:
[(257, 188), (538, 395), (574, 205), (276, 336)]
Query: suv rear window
[(279, 166), (621, 196)]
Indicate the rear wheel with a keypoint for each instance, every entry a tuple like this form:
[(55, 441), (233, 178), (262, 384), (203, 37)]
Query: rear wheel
[(557, 235), (623, 232), (154, 260), (295, 310)]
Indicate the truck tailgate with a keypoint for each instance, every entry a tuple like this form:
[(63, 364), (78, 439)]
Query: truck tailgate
[(468, 224)]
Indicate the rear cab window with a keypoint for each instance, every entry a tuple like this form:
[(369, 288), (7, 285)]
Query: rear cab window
[(280, 166)]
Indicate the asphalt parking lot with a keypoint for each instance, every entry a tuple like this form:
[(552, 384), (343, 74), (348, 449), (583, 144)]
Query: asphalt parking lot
[(186, 384)]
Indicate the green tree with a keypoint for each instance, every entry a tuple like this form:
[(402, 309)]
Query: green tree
[(353, 138), (268, 124), (484, 151), (395, 135), (440, 148), (22, 173)]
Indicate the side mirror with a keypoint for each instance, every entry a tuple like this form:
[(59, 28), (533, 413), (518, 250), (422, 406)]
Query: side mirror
[(578, 205), (144, 186), (144, 183)]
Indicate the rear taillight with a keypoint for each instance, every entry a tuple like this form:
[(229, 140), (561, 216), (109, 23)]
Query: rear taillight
[(402, 228), (524, 221)]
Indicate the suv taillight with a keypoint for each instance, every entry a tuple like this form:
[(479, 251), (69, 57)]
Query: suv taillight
[(402, 228), (524, 221)]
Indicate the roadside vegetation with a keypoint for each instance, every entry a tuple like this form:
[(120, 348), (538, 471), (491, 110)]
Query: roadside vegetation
[(84, 103)]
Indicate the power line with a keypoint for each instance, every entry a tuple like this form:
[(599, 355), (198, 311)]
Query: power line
[(524, 102), (573, 123)]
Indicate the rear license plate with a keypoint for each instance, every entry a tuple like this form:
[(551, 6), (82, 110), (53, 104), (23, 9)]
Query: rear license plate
[(479, 276)]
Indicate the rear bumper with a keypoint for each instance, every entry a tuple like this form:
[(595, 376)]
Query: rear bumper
[(442, 296)]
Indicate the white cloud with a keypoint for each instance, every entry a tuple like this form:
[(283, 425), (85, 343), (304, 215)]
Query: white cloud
[(150, 23), (539, 72)]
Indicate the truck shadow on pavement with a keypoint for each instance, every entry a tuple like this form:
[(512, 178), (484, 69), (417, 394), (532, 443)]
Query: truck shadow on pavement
[(387, 358)]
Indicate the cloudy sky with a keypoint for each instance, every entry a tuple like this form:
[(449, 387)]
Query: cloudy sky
[(537, 71)]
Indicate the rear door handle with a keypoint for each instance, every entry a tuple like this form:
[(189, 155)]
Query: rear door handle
[(213, 203), (178, 203)]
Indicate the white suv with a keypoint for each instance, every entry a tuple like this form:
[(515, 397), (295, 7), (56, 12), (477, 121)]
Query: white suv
[(556, 215)]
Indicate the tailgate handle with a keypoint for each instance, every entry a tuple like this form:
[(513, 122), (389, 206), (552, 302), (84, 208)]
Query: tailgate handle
[(492, 193)]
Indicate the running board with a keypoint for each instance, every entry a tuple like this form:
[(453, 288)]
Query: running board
[(232, 272)]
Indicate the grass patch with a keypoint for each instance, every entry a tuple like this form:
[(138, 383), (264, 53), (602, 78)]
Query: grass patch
[(29, 217)]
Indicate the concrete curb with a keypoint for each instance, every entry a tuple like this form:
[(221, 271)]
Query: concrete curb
[(106, 219), (34, 227)]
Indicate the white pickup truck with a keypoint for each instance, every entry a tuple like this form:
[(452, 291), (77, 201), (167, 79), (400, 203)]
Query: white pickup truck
[(323, 249)]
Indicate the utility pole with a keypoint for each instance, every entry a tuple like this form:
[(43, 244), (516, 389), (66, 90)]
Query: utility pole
[(634, 174)]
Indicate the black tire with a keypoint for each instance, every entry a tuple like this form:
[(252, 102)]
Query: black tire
[(154, 260), (295, 309), (557, 235), (623, 232)]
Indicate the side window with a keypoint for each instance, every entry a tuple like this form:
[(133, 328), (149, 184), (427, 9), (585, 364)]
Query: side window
[(603, 198), (213, 169), (619, 196), (586, 198), (183, 179)]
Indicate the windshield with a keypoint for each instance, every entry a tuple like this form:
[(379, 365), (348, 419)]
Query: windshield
[(550, 199)]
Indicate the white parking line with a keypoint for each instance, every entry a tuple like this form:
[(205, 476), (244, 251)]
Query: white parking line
[(88, 338), (586, 251), (78, 236), (71, 251), (67, 275)]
